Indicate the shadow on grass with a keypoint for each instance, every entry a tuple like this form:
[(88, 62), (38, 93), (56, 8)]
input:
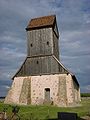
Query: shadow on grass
[(53, 119)]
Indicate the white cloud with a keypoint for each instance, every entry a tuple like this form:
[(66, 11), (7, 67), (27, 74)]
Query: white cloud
[(88, 87), (6, 86), (73, 22)]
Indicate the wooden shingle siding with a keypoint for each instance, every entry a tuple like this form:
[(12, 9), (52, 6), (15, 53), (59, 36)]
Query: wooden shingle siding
[(40, 66), (40, 42)]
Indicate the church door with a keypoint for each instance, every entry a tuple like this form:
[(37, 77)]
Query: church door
[(47, 94)]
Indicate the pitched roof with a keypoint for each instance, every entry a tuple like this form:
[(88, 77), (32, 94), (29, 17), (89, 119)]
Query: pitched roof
[(41, 22)]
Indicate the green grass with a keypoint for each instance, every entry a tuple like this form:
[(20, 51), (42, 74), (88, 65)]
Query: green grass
[(42, 112)]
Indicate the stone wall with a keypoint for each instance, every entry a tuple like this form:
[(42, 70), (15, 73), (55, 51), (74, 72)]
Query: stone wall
[(25, 95), (15, 91), (31, 90), (73, 91), (38, 85), (19, 92), (62, 90), (70, 89), (76, 92)]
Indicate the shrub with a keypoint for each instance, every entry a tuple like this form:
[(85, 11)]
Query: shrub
[(85, 94)]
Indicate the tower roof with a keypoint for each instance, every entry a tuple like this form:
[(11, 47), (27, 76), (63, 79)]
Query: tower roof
[(45, 21)]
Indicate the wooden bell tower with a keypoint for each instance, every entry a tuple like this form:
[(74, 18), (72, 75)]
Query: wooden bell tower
[(42, 48), (42, 35)]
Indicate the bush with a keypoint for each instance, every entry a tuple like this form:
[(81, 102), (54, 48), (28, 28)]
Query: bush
[(85, 94)]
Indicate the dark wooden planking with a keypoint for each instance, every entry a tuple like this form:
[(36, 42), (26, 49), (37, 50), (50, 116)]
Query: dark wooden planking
[(55, 48), (39, 39), (40, 65), (56, 30)]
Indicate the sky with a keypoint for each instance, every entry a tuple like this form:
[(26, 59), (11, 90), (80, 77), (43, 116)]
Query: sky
[(73, 20)]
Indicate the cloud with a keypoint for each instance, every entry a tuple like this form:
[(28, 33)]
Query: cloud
[(73, 20), (4, 89), (4, 86), (86, 88)]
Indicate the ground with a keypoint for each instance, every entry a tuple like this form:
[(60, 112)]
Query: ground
[(44, 112)]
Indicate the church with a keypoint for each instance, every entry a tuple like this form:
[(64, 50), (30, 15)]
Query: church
[(42, 79)]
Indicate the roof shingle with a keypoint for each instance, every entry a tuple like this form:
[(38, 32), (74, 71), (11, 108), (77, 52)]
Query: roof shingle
[(41, 22)]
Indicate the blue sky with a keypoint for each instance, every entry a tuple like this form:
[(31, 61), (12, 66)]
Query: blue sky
[(73, 19)]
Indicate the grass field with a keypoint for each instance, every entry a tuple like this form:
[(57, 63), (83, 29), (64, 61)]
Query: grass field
[(43, 112)]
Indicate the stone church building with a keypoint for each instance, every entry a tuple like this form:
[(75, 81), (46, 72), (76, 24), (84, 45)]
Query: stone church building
[(42, 78)]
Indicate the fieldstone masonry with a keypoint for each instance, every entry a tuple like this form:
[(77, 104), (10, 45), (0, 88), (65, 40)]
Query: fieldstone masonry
[(25, 95), (31, 90), (70, 89)]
